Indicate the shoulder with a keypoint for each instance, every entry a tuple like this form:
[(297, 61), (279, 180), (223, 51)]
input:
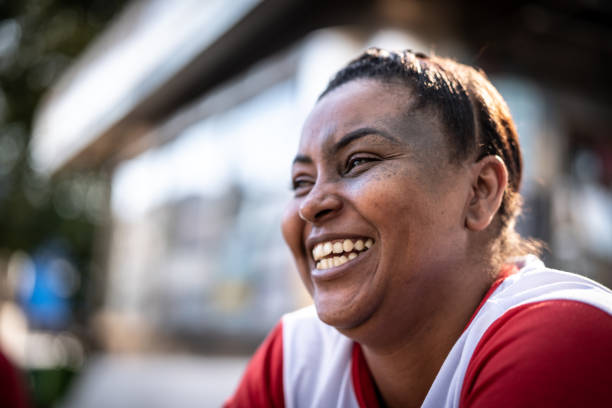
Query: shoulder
[(262, 382), (551, 348), (301, 359), (317, 362)]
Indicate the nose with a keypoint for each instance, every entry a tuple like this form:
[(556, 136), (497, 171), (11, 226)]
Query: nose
[(320, 204)]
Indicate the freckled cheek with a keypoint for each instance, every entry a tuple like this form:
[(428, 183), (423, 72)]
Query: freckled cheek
[(380, 194), (395, 209)]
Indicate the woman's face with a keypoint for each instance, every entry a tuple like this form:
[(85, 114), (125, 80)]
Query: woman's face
[(378, 217)]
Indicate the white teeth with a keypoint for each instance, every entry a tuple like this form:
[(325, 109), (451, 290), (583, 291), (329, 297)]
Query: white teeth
[(347, 245), (349, 250), (317, 251), (327, 248), (340, 260)]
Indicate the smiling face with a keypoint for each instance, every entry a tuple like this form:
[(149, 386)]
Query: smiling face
[(372, 171)]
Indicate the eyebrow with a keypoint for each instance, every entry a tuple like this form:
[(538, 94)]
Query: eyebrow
[(346, 140), (300, 158), (358, 134)]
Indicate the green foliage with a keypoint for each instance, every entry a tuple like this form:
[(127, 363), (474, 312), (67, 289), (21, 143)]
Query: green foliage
[(38, 41), (48, 384)]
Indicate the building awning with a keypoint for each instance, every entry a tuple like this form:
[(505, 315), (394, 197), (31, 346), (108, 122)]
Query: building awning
[(156, 56), (160, 55)]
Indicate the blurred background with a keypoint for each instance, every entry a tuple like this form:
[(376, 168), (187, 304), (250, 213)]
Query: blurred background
[(144, 166)]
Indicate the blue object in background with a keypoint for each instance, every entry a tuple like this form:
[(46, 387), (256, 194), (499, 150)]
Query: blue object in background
[(46, 286)]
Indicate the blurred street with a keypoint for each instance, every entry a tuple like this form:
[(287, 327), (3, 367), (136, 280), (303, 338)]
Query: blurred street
[(152, 381)]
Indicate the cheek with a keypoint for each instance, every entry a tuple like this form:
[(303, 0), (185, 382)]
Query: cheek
[(292, 227), (383, 195), (393, 202)]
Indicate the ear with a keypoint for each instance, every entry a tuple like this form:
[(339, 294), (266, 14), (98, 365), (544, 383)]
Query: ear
[(489, 181)]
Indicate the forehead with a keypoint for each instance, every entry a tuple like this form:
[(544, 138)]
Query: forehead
[(354, 104), (369, 103)]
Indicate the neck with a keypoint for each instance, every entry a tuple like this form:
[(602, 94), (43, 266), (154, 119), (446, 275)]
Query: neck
[(403, 376), (405, 361)]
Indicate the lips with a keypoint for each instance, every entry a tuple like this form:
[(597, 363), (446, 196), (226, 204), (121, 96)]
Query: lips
[(337, 252)]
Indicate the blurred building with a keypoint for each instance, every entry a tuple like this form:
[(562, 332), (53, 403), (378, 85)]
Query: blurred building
[(195, 109)]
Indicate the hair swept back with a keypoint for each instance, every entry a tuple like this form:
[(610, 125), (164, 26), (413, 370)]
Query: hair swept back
[(476, 117)]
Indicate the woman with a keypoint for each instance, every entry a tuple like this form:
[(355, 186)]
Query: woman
[(402, 227)]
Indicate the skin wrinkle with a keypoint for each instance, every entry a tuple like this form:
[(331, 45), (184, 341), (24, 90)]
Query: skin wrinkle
[(402, 124), (330, 151), (421, 104), (428, 144)]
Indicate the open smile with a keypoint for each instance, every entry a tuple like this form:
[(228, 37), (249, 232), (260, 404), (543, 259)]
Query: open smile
[(330, 254)]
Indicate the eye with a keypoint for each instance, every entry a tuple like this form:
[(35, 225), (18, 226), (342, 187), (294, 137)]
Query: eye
[(357, 161), (300, 185)]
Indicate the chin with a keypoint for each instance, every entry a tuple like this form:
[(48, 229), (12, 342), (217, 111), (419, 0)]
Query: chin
[(341, 314)]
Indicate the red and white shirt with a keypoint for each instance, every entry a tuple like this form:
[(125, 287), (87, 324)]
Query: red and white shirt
[(540, 338)]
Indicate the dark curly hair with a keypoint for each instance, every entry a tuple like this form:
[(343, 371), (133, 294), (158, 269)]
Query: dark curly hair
[(476, 117)]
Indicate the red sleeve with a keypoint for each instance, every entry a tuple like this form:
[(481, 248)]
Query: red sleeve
[(262, 383), (12, 392), (555, 353)]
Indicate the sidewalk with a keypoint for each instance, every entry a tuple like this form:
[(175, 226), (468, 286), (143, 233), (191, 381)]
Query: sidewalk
[(161, 381)]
